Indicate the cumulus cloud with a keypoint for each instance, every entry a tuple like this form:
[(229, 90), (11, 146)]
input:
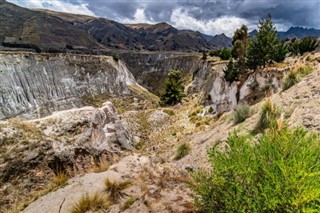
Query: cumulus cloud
[(138, 17), (57, 5), (223, 24)]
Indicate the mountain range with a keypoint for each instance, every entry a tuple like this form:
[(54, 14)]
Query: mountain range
[(57, 31)]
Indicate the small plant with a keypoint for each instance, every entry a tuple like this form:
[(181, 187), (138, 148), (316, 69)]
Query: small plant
[(60, 179), (204, 55), (278, 173), (101, 167), (128, 203), (91, 203), (269, 115), (231, 73), (169, 112), (115, 57), (241, 113), (295, 76), (115, 189), (182, 151)]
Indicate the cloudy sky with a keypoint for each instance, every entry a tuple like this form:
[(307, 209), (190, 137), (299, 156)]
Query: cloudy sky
[(207, 16)]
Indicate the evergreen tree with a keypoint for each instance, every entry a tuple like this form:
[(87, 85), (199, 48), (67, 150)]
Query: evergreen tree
[(262, 47), (173, 93), (240, 43), (280, 51), (232, 72), (307, 44)]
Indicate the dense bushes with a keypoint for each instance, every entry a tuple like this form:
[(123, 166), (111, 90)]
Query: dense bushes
[(173, 93), (224, 54), (279, 172), (302, 46)]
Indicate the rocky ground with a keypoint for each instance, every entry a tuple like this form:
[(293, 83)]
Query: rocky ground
[(140, 144)]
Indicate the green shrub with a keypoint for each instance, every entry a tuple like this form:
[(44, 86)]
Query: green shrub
[(231, 73), (173, 93), (115, 57), (295, 76), (225, 54), (241, 113), (269, 115), (182, 151), (279, 173)]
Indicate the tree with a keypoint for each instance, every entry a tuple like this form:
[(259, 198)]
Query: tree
[(261, 49), (280, 51), (240, 43), (307, 44), (225, 54), (173, 93), (231, 73)]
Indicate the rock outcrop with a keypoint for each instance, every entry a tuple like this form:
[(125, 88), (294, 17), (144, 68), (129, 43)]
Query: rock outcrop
[(154, 188), (71, 142), (35, 85)]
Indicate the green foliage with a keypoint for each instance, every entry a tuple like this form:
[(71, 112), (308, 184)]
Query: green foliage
[(240, 43), (264, 46), (307, 44), (278, 173), (91, 203), (182, 151), (269, 115), (173, 93), (295, 76), (280, 51), (225, 54), (241, 113), (231, 73), (115, 57)]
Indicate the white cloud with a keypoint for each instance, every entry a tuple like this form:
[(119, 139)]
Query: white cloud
[(139, 17), (57, 5), (224, 24)]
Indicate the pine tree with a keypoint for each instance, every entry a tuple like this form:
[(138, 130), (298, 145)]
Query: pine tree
[(173, 93), (262, 47)]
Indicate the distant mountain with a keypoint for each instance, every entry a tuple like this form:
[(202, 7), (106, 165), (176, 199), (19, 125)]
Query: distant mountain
[(50, 30), (297, 32)]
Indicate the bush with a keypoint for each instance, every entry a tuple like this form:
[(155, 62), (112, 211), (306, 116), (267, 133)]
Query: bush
[(307, 44), (279, 173), (225, 54), (231, 73), (173, 93), (294, 76), (115, 57), (241, 113), (269, 115), (204, 55), (182, 151)]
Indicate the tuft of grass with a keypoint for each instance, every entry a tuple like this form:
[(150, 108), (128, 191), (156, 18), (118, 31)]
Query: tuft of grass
[(295, 76), (182, 151), (128, 203), (276, 174), (241, 113), (114, 189), (91, 203), (269, 115), (169, 112), (101, 167), (60, 179)]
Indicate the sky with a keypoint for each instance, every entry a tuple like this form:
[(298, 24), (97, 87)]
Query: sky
[(207, 16)]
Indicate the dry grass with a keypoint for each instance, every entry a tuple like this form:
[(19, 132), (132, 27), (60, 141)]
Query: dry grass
[(114, 189), (101, 167), (128, 203), (91, 203), (182, 151)]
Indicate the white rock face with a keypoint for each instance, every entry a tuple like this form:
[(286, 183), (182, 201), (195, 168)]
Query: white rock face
[(35, 85)]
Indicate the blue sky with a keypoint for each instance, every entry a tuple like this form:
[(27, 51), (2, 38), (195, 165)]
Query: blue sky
[(208, 16)]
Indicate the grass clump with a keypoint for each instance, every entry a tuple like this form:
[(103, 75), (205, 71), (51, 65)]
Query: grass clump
[(295, 76), (91, 203), (278, 173), (60, 179), (114, 189), (241, 113), (182, 151), (169, 112), (128, 203), (269, 115)]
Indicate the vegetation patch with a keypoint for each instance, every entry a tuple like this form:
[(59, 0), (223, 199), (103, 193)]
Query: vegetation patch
[(182, 151), (278, 173), (91, 203), (128, 203), (295, 76), (241, 113), (269, 115), (114, 189)]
